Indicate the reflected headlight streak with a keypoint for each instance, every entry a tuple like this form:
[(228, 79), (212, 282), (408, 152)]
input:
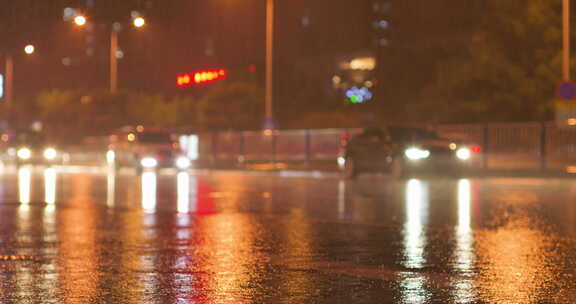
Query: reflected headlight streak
[(24, 153), (464, 153), (183, 163), (416, 154), (149, 162), (50, 153), (110, 157)]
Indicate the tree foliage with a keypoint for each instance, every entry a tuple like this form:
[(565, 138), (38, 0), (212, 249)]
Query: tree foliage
[(86, 112), (77, 113), (510, 69), (232, 105), (159, 111)]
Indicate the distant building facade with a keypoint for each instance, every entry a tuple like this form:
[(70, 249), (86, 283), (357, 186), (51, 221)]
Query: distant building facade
[(334, 54)]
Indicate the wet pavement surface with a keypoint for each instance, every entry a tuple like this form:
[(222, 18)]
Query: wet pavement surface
[(85, 236)]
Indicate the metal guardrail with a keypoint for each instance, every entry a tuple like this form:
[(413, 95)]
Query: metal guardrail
[(532, 146), (526, 146)]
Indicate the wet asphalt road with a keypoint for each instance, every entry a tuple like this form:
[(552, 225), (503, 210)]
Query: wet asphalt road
[(71, 235)]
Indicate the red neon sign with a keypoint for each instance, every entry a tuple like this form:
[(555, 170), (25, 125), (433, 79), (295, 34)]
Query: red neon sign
[(201, 77)]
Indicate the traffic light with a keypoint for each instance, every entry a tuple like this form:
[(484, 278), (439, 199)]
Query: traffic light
[(201, 77)]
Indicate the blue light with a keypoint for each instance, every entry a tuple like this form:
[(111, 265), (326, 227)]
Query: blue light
[(383, 24), (359, 95)]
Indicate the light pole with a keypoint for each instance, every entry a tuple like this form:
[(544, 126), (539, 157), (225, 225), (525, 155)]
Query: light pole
[(113, 60), (566, 39), (9, 73), (269, 111), (9, 66), (138, 22)]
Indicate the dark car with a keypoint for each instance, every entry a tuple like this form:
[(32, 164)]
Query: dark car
[(370, 151), (30, 147), (406, 151)]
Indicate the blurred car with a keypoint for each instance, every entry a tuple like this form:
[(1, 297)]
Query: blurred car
[(146, 150), (402, 151), (31, 148), (369, 151)]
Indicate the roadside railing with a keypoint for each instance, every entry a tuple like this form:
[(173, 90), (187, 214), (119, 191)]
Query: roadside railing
[(506, 146)]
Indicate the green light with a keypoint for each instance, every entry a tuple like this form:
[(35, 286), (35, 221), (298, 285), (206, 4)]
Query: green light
[(355, 99)]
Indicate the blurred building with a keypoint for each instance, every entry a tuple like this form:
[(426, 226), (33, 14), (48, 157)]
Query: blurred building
[(385, 53), (358, 73), (329, 56)]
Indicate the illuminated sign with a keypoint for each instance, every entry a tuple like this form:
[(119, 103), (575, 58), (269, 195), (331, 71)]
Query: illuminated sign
[(358, 95), (359, 64), (1, 85), (201, 77)]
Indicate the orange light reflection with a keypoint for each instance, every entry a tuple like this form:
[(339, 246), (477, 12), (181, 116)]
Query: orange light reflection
[(24, 184), (413, 288), (464, 255), (516, 255), (77, 232), (149, 192)]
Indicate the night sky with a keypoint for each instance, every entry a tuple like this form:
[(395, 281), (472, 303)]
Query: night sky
[(181, 36), (189, 35), (177, 39)]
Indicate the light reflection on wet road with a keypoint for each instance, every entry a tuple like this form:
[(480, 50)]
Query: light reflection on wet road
[(233, 237)]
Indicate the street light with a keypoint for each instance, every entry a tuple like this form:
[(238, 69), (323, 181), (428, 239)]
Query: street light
[(138, 22), (80, 20), (9, 73), (29, 49)]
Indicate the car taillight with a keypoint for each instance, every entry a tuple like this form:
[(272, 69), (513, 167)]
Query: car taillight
[(476, 149)]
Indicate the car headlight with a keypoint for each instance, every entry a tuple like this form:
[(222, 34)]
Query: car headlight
[(149, 162), (50, 153), (341, 161), (183, 162), (24, 153), (463, 153), (110, 157), (416, 154)]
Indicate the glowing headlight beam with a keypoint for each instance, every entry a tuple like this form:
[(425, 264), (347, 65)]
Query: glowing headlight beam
[(50, 154), (183, 163), (463, 153), (149, 162), (416, 154), (24, 153), (341, 162)]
